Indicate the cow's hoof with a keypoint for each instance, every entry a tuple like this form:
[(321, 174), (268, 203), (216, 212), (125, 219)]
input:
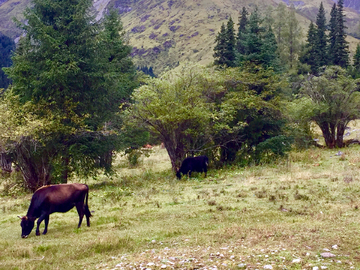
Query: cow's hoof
[(37, 233)]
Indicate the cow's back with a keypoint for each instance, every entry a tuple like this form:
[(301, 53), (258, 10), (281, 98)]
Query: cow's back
[(56, 198)]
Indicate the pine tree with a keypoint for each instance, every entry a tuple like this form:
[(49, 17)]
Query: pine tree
[(230, 44), (240, 38), (321, 38), (341, 52), (71, 73), (269, 56), (220, 47), (253, 39), (356, 62), (288, 35), (332, 34), (309, 54)]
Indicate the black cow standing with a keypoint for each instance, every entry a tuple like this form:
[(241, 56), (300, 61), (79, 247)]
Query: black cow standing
[(193, 164), (55, 198)]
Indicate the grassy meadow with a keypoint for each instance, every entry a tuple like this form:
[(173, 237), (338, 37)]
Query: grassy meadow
[(300, 213)]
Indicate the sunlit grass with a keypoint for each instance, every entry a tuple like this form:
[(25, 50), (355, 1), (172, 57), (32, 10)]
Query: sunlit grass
[(266, 215)]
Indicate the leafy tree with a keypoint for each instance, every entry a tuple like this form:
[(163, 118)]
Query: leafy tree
[(252, 114), (220, 47), (175, 107), (321, 38), (240, 38), (332, 100), (71, 74)]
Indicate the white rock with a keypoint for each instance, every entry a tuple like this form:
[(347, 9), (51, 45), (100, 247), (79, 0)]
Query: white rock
[(153, 241), (315, 268), (327, 255), (163, 266), (268, 266), (326, 249), (150, 264), (241, 265), (323, 267), (335, 246), (296, 260)]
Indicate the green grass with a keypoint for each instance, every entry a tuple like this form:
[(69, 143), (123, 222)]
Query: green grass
[(236, 217)]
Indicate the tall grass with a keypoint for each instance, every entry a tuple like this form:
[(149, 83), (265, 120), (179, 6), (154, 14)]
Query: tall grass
[(268, 215)]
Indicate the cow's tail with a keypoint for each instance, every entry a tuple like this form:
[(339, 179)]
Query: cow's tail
[(87, 211)]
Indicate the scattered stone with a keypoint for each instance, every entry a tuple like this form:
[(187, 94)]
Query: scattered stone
[(315, 268), (268, 266), (326, 249), (327, 255), (242, 265), (296, 260), (335, 246)]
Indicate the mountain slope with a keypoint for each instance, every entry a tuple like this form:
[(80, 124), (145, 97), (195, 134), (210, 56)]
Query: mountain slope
[(165, 32)]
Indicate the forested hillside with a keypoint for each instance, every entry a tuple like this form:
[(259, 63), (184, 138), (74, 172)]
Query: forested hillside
[(163, 33)]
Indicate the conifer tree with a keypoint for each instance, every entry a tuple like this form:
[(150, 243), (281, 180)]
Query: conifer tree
[(269, 53), (253, 39), (309, 54), (332, 34), (220, 47), (71, 74), (341, 49), (230, 44), (321, 38), (288, 35), (240, 38), (356, 62)]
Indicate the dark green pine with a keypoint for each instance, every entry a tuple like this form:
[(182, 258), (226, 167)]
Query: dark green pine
[(341, 53), (230, 44), (332, 34), (356, 62), (321, 38), (240, 38), (309, 55), (220, 47)]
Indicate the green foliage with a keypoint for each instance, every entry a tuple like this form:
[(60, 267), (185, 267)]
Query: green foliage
[(258, 43), (332, 101), (70, 76), (321, 38), (224, 50), (175, 108), (355, 71), (288, 35), (7, 46), (340, 55)]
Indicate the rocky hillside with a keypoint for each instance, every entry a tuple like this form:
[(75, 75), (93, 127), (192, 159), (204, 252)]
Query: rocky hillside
[(165, 32)]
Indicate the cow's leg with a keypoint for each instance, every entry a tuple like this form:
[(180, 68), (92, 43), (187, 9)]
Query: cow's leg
[(41, 218), (46, 219), (80, 210)]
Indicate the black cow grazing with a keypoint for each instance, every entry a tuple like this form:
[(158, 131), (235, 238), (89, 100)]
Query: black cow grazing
[(55, 198), (193, 164)]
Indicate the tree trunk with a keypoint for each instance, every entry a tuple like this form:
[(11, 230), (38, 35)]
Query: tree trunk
[(175, 151), (328, 132), (340, 134)]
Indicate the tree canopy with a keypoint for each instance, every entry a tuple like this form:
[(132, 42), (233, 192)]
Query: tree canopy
[(72, 74)]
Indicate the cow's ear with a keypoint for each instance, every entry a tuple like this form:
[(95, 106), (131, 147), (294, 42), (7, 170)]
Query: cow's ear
[(19, 217), (23, 218)]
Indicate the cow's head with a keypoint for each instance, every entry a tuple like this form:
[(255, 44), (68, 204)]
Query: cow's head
[(26, 225)]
